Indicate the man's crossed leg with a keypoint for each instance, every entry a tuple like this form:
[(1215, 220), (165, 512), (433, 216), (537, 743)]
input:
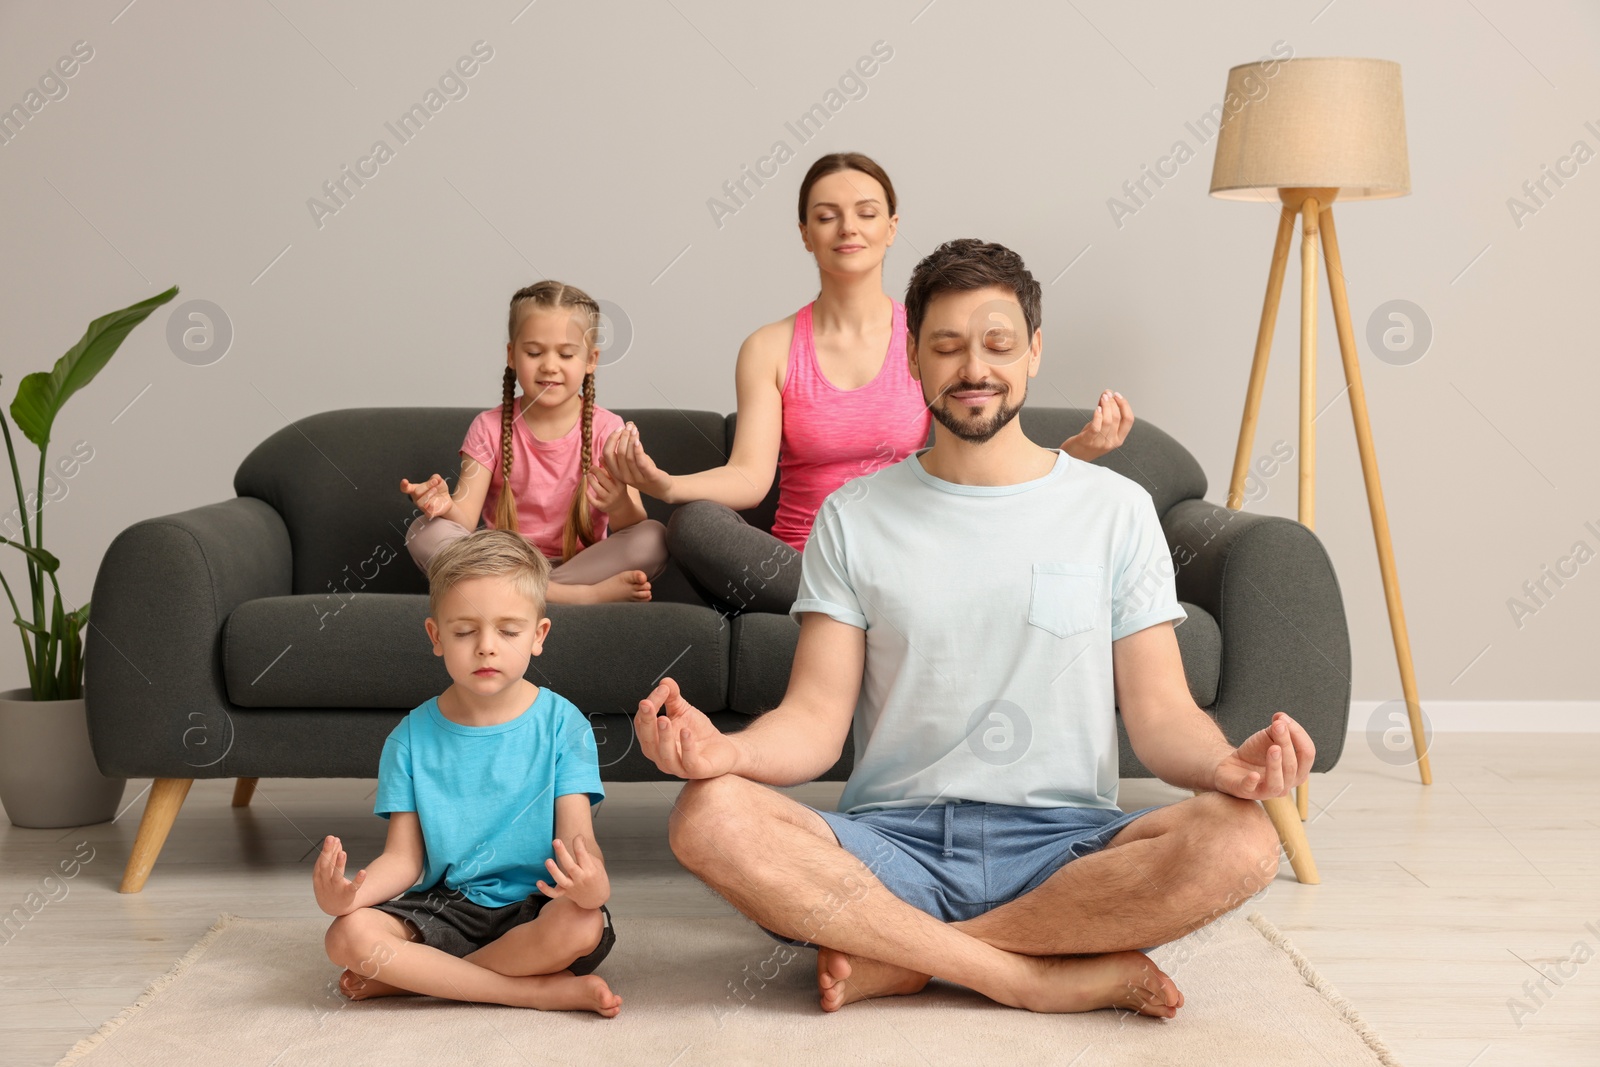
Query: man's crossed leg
[(1070, 944)]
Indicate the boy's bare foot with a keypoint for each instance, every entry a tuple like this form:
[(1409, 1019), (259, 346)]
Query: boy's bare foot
[(843, 979), (1112, 980), (629, 585), (563, 991), (360, 987)]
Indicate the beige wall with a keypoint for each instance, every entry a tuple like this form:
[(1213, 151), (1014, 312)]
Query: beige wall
[(185, 151)]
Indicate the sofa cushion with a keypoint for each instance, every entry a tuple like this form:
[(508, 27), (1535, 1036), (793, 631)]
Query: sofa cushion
[(762, 654), (372, 652)]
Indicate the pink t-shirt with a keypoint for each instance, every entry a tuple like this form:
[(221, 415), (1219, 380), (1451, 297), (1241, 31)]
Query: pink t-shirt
[(544, 473), (831, 435)]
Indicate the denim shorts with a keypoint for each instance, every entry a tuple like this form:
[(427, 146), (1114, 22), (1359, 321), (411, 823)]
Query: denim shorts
[(450, 921), (957, 859)]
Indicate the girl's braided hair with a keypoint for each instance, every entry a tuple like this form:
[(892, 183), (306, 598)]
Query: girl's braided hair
[(547, 295)]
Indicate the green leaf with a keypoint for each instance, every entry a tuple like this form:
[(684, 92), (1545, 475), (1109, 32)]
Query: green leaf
[(41, 395), (79, 618), (47, 562), (31, 628)]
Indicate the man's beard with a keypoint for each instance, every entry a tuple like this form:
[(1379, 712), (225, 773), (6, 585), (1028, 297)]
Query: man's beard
[(978, 430)]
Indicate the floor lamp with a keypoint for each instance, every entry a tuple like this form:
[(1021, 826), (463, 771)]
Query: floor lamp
[(1303, 132)]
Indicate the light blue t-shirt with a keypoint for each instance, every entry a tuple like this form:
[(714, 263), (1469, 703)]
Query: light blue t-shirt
[(486, 795), (990, 611)]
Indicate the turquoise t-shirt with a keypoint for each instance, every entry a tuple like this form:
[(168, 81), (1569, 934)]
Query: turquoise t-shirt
[(990, 612), (486, 795)]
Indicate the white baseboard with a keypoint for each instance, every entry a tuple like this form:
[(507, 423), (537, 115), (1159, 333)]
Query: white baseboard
[(1490, 716)]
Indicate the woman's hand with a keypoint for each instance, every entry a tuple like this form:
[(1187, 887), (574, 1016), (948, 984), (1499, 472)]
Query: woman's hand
[(336, 894), (432, 497), (1113, 418), (1270, 763), (625, 459)]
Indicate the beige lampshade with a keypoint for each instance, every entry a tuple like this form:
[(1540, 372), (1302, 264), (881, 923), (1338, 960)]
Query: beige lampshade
[(1314, 123)]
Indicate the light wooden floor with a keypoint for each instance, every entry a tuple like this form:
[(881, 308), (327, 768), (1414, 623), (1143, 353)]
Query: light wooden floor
[(1436, 904)]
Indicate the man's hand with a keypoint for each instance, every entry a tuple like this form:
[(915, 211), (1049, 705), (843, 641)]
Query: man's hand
[(683, 741), (625, 459), (431, 496), (578, 874), (336, 894), (1113, 418), (1270, 763)]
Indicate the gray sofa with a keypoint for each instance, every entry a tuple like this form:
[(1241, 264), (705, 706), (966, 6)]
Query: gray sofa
[(280, 633)]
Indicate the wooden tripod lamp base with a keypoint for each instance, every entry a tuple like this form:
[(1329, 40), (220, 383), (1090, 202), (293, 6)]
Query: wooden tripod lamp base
[(1306, 132)]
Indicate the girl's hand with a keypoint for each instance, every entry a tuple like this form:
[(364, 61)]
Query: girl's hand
[(606, 493), (1270, 763), (578, 874), (1113, 418), (336, 894), (431, 496), (626, 460)]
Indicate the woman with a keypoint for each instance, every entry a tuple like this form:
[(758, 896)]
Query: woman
[(824, 395)]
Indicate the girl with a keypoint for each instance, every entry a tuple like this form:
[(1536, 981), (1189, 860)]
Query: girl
[(529, 464), (824, 395)]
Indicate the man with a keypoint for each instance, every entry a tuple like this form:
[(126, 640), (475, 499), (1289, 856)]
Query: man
[(979, 611)]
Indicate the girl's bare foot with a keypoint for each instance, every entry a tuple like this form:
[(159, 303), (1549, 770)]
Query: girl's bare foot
[(1113, 980), (359, 987), (627, 586), (844, 979)]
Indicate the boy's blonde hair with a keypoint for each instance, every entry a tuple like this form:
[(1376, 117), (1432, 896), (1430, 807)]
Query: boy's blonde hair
[(490, 553)]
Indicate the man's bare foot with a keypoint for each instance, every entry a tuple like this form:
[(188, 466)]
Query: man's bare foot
[(844, 979), (564, 991), (1113, 980), (359, 987)]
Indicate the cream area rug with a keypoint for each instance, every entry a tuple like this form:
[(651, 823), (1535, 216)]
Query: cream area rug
[(260, 993)]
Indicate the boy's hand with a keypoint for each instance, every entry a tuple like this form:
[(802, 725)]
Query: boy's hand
[(606, 493), (578, 874), (431, 496), (1105, 431), (336, 894)]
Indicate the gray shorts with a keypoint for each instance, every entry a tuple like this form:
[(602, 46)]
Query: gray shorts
[(448, 920)]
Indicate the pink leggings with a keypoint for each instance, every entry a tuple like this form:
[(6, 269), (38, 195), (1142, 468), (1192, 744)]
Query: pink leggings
[(640, 547)]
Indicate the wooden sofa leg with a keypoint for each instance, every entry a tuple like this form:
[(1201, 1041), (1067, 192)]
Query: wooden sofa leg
[(243, 790), (1285, 816), (166, 797), (1302, 798)]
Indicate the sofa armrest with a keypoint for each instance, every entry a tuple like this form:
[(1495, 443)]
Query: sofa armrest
[(1270, 585), (153, 684)]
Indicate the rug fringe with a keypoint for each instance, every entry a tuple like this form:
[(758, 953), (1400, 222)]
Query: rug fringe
[(107, 1028), (1346, 1010)]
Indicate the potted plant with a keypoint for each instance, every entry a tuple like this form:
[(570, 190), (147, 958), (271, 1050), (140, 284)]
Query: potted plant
[(48, 775)]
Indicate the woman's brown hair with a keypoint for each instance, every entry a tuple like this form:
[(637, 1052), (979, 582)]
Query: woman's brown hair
[(837, 161), (549, 295)]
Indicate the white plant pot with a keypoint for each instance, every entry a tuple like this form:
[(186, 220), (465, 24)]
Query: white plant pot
[(48, 776)]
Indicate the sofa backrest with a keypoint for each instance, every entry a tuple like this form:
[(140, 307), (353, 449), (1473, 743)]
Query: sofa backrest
[(335, 479)]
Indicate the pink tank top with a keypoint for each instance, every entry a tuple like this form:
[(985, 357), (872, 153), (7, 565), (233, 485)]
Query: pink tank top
[(831, 435)]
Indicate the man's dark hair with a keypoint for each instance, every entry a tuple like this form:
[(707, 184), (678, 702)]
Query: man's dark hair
[(967, 264)]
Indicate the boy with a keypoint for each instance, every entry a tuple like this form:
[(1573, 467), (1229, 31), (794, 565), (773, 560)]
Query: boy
[(472, 783)]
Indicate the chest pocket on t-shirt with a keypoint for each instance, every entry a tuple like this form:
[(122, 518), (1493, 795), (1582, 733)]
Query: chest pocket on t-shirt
[(1066, 597)]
